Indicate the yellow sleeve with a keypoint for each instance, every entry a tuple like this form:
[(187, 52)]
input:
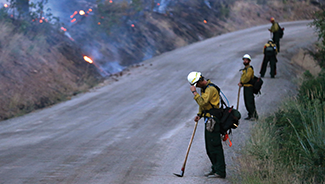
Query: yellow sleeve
[(204, 98), (274, 27), (247, 75)]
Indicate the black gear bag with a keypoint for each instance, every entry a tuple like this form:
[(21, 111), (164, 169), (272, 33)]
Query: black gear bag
[(229, 117)]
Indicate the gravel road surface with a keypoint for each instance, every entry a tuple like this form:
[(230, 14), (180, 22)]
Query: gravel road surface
[(136, 130)]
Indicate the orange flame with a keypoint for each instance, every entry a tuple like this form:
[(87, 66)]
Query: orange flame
[(90, 10), (132, 25), (64, 29), (74, 13), (88, 59), (158, 4), (41, 21), (81, 12), (205, 21), (73, 20), (6, 5), (110, 1), (98, 23)]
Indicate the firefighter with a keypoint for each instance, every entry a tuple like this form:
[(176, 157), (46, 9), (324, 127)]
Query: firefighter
[(246, 78), (270, 51), (275, 30), (208, 100)]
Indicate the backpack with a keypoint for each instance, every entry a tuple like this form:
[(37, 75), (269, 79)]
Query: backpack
[(257, 83), (270, 50), (281, 32), (229, 116)]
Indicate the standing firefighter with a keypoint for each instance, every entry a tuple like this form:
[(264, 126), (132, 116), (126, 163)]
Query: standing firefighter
[(245, 81), (270, 52), (276, 30), (208, 102)]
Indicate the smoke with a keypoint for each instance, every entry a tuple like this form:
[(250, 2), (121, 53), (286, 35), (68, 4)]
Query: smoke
[(207, 3), (106, 53), (163, 6)]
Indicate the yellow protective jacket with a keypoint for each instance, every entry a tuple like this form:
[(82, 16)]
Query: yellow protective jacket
[(247, 76), (208, 96), (268, 44), (275, 27)]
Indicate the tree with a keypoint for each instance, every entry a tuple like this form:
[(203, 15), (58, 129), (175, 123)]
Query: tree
[(319, 23), (23, 7)]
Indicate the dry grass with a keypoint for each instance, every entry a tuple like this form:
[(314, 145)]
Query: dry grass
[(35, 74), (288, 147), (259, 162)]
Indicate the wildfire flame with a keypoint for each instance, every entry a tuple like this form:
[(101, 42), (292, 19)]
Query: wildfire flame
[(6, 5), (205, 21), (88, 59), (158, 4), (81, 12), (64, 29), (90, 10), (110, 1), (73, 20), (132, 25), (75, 13)]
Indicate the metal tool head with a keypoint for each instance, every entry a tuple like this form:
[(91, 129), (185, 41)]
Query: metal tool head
[(179, 175)]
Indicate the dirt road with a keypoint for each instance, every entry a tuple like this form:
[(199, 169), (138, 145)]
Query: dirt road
[(136, 130)]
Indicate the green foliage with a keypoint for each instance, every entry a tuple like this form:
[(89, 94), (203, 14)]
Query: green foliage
[(223, 7), (293, 137), (137, 5), (319, 23), (312, 88), (109, 15)]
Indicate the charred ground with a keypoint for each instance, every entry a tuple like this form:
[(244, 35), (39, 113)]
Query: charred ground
[(40, 65)]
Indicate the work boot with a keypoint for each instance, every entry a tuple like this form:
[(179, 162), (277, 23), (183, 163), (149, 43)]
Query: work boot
[(253, 119), (215, 175), (209, 173), (247, 118)]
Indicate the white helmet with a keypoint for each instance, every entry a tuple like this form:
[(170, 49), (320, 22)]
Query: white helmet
[(246, 56), (193, 77)]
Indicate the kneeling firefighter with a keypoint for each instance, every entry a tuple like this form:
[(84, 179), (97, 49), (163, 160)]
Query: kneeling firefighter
[(209, 102)]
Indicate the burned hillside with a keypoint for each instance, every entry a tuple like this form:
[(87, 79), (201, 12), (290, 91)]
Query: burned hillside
[(42, 64)]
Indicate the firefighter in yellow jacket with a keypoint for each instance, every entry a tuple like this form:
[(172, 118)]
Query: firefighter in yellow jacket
[(245, 81), (208, 100), (275, 30), (270, 51)]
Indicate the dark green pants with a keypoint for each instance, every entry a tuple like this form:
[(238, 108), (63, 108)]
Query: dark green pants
[(214, 150), (250, 102), (272, 60), (276, 40)]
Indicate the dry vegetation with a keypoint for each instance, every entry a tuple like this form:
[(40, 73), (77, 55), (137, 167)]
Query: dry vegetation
[(39, 68)]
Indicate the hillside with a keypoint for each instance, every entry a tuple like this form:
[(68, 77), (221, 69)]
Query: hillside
[(40, 66)]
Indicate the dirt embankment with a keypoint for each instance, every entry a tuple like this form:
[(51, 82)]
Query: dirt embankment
[(38, 70)]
